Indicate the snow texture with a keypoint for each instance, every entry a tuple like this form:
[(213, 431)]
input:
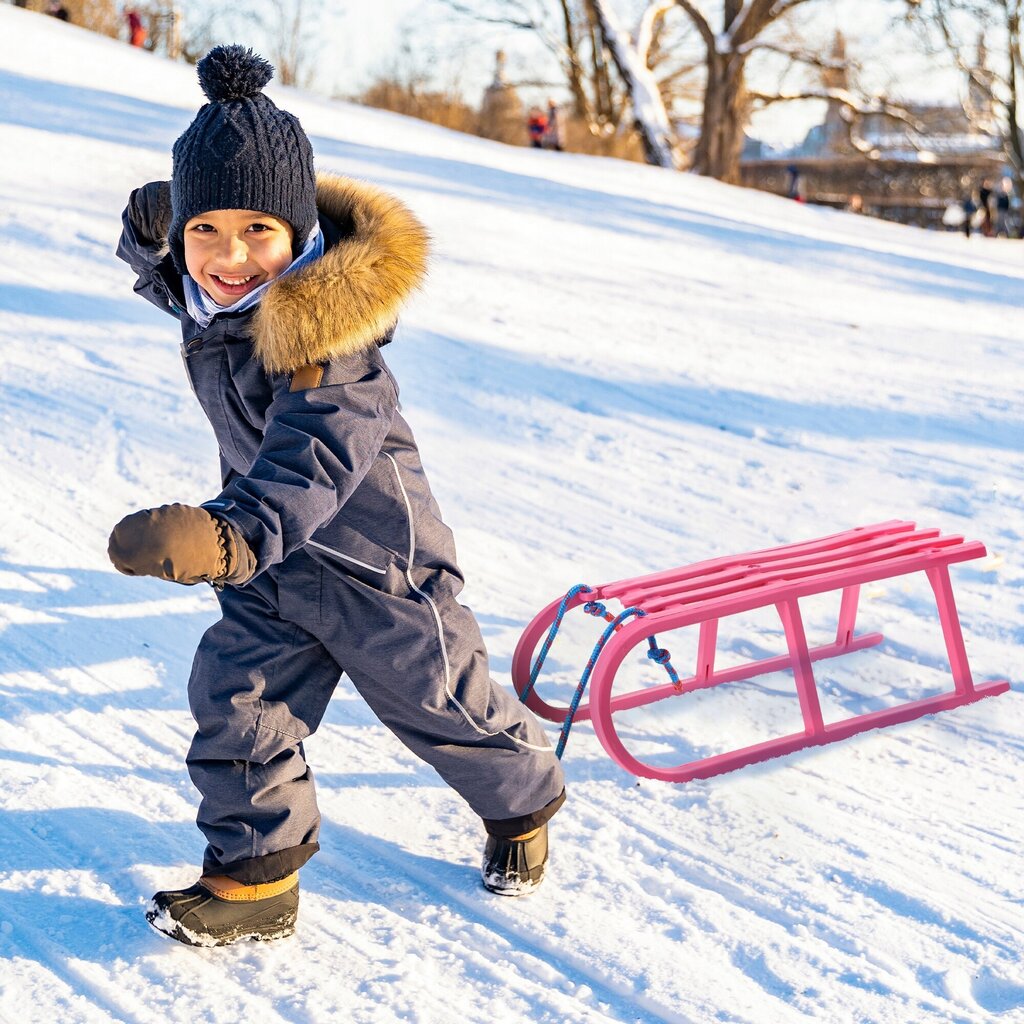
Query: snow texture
[(614, 369)]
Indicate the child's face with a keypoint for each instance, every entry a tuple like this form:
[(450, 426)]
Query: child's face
[(228, 253)]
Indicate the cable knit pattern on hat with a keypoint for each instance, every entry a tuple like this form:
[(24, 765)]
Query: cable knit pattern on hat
[(241, 152)]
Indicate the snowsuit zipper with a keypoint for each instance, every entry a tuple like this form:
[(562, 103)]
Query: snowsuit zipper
[(347, 558)]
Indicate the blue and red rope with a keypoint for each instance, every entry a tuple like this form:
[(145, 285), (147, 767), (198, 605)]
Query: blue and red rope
[(659, 655)]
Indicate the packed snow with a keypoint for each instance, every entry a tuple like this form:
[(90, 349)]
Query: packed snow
[(613, 370)]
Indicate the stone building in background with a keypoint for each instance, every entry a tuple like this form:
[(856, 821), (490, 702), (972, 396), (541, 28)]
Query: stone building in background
[(502, 116), (900, 172)]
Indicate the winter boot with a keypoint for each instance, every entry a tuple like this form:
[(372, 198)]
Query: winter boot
[(514, 867), (218, 910)]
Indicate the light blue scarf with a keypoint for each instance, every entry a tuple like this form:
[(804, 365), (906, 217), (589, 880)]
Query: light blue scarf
[(203, 309)]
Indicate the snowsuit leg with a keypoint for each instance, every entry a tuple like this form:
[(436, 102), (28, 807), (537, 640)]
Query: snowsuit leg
[(260, 684), (264, 674), (419, 662)]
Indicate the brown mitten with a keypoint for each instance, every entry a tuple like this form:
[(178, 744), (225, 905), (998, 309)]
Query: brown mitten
[(182, 544), (149, 208)]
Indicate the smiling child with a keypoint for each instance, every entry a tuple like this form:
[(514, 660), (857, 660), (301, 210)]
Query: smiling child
[(325, 543)]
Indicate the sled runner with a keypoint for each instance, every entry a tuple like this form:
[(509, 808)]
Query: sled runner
[(701, 594)]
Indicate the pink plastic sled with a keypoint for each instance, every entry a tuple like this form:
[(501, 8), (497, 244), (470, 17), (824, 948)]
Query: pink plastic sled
[(705, 592)]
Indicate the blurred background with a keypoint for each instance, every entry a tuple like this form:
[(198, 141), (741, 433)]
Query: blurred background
[(900, 109)]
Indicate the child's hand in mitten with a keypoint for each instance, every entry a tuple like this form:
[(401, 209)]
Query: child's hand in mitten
[(149, 209), (182, 544)]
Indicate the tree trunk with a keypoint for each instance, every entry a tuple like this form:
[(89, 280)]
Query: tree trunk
[(601, 79), (718, 150), (649, 114), (1014, 140), (575, 67)]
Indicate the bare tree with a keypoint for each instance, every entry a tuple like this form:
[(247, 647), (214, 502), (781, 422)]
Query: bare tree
[(199, 34), (970, 31), (681, 52), (746, 28), (284, 31), (163, 19), (849, 105), (743, 30), (570, 32), (404, 85), (291, 26), (631, 54)]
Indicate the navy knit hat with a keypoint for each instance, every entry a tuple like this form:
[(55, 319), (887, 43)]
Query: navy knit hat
[(241, 152)]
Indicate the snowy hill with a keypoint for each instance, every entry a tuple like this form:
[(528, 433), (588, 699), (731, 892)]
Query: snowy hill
[(613, 370)]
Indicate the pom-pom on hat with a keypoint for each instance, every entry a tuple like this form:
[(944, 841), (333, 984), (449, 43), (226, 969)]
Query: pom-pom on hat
[(241, 152)]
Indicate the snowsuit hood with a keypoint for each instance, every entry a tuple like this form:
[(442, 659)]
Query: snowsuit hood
[(351, 297)]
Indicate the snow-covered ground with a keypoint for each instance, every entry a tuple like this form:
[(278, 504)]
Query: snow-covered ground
[(613, 370)]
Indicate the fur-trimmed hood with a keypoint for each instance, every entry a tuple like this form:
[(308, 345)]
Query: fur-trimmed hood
[(350, 297)]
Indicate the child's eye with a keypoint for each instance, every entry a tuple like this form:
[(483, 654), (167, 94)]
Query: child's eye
[(259, 227), (204, 229)]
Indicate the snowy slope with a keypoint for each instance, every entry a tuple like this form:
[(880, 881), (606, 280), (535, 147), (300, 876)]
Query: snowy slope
[(613, 370)]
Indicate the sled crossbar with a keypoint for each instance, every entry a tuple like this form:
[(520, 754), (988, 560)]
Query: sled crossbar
[(702, 593)]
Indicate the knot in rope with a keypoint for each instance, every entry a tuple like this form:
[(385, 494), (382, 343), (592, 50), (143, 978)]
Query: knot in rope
[(659, 655), (597, 609)]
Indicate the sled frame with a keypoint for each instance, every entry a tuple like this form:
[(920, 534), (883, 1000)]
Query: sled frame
[(703, 593)]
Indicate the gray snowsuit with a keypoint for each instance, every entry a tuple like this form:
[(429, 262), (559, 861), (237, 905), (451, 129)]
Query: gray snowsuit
[(356, 571)]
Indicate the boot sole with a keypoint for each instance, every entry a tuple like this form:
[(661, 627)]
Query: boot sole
[(520, 889), (162, 922)]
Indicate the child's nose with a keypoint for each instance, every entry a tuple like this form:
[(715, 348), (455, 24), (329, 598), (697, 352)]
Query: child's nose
[(236, 249)]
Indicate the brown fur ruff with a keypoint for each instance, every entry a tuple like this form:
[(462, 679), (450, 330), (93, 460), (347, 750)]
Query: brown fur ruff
[(350, 297)]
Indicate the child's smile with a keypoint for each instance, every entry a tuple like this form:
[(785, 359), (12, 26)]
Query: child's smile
[(235, 285), (230, 253)]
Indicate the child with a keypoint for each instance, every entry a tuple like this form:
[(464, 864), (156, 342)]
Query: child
[(536, 126), (325, 544)]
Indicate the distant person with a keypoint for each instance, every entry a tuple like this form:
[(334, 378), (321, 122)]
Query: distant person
[(970, 208), (553, 134), (58, 10), (322, 538), (1004, 205), (855, 204), (985, 206), (794, 185), (536, 126), (138, 34)]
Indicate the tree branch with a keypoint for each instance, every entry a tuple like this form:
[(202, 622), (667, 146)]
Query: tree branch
[(529, 24), (645, 30), (701, 24), (800, 56), (784, 6), (953, 46), (752, 20), (852, 103), (853, 110), (749, 21)]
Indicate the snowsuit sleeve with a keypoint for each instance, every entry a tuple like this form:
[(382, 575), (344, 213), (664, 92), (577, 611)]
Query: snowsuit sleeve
[(148, 259), (318, 444)]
